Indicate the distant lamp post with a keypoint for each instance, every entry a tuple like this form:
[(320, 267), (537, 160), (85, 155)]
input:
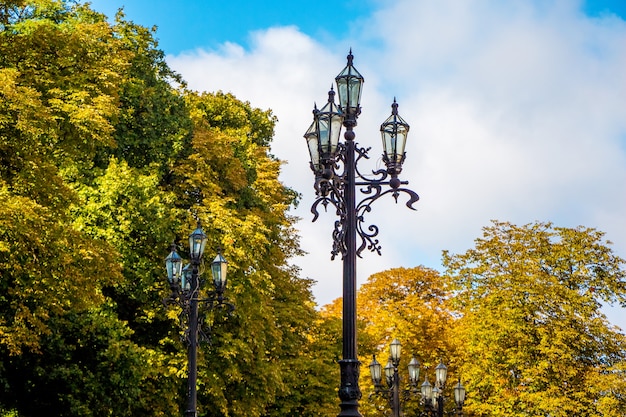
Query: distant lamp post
[(334, 164), (393, 389), (185, 292), (431, 395)]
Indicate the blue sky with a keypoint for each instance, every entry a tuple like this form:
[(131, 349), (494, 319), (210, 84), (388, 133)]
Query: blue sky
[(517, 108), (208, 24), (192, 24)]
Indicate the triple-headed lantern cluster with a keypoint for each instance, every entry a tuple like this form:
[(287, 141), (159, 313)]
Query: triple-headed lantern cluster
[(432, 394), (323, 135), (181, 278)]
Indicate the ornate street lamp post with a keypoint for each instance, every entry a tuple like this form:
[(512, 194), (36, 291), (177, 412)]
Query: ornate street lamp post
[(337, 177), (432, 396), (185, 293)]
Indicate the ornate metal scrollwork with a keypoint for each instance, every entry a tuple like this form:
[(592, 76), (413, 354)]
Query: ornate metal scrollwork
[(182, 299), (331, 192)]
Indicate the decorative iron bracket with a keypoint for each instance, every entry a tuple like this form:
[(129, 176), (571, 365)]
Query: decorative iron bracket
[(331, 192)]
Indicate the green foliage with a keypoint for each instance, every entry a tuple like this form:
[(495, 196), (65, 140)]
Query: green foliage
[(153, 127), (47, 270), (86, 367), (106, 159), (537, 342)]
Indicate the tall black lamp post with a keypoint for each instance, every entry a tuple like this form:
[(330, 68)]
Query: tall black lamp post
[(337, 177), (432, 395), (185, 292)]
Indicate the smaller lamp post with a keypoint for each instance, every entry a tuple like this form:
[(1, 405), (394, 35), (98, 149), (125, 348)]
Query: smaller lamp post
[(392, 377), (185, 292), (432, 395)]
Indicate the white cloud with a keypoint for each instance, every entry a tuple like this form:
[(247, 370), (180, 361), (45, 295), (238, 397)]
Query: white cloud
[(516, 110)]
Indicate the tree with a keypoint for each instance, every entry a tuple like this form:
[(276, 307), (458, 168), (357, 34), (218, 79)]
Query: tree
[(536, 341), (62, 344), (231, 182), (410, 304), (107, 159), (49, 116)]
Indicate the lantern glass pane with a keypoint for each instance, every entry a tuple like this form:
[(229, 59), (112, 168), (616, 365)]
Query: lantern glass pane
[(218, 270), (441, 373), (459, 394), (376, 371), (311, 137), (349, 87), (197, 243), (329, 122), (185, 281), (427, 390), (395, 349), (173, 266), (435, 397), (389, 372), (414, 370), (394, 132)]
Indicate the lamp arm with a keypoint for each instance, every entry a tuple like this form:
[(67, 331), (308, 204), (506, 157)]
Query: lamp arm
[(374, 190), (330, 191)]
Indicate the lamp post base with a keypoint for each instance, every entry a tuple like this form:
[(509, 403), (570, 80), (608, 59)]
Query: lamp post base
[(349, 391)]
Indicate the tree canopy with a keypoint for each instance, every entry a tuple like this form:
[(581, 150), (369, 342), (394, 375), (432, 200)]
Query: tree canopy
[(518, 319), (535, 339), (107, 158)]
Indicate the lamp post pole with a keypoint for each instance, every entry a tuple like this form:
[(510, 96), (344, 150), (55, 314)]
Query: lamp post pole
[(336, 180), (349, 392), (185, 293), (192, 357)]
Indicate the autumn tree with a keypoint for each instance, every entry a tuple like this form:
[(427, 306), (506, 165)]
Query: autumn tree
[(62, 346), (255, 363), (535, 339), (106, 159), (410, 304)]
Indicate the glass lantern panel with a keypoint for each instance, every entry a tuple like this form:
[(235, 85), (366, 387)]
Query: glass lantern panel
[(376, 371), (329, 122), (197, 242), (427, 390), (389, 372), (394, 132), (414, 370), (313, 144), (185, 281), (441, 373), (349, 87), (219, 269), (173, 266), (459, 394), (395, 349)]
